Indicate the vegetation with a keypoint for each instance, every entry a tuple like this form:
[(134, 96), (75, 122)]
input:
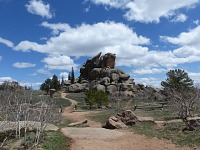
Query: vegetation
[(183, 98), (19, 105), (178, 80), (72, 76), (80, 98), (97, 98), (102, 116), (170, 131), (56, 141), (48, 84)]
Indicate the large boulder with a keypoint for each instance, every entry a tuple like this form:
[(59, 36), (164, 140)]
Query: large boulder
[(124, 76), (108, 61), (128, 117), (100, 87), (105, 81), (77, 87), (111, 89), (126, 87), (95, 74), (121, 120), (114, 123), (114, 77)]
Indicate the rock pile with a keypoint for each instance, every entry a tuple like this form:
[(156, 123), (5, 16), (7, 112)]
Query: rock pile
[(100, 73), (121, 120)]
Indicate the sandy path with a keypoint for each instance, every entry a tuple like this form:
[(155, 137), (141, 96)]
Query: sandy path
[(96, 138)]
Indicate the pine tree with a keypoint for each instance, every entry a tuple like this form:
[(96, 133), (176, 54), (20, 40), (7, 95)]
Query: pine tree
[(178, 80), (55, 83), (69, 76), (72, 76)]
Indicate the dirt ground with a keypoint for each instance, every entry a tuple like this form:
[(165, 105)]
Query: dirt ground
[(96, 138)]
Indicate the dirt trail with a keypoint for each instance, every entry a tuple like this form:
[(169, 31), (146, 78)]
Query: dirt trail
[(97, 138)]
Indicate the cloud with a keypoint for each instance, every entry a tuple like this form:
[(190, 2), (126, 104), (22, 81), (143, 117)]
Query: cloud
[(59, 62), (23, 65), (179, 18), (34, 85), (148, 71), (6, 42), (56, 28), (130, 48), (195, 77), (43, 71), (86, 10), (80, 41), (189, 45), (38, 7), (64, 75), (1, 58), (3, 79), (190, 38), (196, 22), (148, 10), (148, 81)]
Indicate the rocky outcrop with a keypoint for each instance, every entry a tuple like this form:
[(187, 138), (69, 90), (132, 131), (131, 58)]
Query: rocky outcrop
[(121, 120), (100, 73)]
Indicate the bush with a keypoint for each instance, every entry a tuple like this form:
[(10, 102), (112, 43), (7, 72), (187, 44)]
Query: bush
[(97, 98)]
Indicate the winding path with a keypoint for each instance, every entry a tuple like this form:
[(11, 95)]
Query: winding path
[(96, 138)]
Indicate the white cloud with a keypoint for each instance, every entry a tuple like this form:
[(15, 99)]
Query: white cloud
[(147, 70), (56, 28), (80, 41), (86, 10), (38, 7), (43, 71), (64, 75), (130, 49), (190, 38), (3, 79), (189, 45), (148, 81), (59, 62), (34, 85), (6, 42), (195, 77), (196, 22), (179, 18), (148, 10), (23, 65)]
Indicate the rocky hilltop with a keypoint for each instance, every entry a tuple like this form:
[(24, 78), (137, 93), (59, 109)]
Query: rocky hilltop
[(100, 73)]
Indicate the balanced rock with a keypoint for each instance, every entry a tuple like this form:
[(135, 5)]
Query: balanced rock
[(121, 120), (114, 123)]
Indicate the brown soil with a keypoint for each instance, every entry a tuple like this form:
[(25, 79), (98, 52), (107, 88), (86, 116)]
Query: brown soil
[(96, 138)]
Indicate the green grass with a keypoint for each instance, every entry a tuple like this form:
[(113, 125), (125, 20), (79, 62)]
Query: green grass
[(56, 141), (80, 98), (171, 132), (157, 114), (102, 116), (61, 102)]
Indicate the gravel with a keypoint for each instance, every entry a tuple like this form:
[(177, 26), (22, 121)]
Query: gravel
[(91, 133)]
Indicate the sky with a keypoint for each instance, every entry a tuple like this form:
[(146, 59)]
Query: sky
[(40, 38)]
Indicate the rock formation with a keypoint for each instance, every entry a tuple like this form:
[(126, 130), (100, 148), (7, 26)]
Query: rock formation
[(100, 73), (121, 120)]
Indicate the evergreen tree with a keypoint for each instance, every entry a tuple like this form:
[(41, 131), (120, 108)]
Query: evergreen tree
[(97, 98), (46, 85), (55, 83), (69, 76), (62, 82), (178, 80), (72, 76)]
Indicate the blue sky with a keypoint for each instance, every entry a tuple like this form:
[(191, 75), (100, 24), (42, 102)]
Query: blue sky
[(39, 38)]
